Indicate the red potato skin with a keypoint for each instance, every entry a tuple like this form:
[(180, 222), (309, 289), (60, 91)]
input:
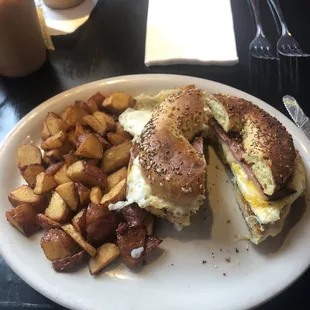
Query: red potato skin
[(71, 263), (101, 224)]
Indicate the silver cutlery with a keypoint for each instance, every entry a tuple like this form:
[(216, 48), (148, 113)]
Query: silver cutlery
[(297, 114), (287, 44), (260, 46)]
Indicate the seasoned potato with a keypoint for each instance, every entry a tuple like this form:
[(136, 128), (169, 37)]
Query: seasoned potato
[(116, 157), (30, 173), (149, 224), (54, 168), (70, 159), (98, 98), (88, 175), (134, 215), (23, 218), (101, 224), (83, 192), (44, 132), (92, 105), (129, 239), (117, 103), (151, 242), (54, 123), (80, 131), (69, 194), (78, 238), (52, 156), (117, 193), (89, 146), (58, 210), (61, 176), (106, 254), (79, 222), (117, 176), (107, 119), (56, 244), (95, 195), (28, 154), (73, 115), (99, 127), (45, 222), (92, 161), (44, 183), (71, 135), (53, 142), (71, 263), (25, 194), (105, 143), (121, 132), (115, 138)]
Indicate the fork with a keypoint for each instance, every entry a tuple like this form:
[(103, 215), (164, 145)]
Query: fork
[(286, 45), (260, 46)]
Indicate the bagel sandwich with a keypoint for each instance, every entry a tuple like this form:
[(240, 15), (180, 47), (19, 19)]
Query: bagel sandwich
[(167, 173), (268, 173)]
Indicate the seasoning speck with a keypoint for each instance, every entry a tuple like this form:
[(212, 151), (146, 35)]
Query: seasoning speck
[(224, 274), (237, 251), (228, 221), (204, 261), (227, 259), (171, 264), (221, 250), (144, 262), (214, 266)]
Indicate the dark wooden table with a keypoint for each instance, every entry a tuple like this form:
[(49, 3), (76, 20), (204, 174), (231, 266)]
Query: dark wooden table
[(111, 43)]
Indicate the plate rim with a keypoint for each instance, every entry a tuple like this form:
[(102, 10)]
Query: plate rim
[(52, 294)]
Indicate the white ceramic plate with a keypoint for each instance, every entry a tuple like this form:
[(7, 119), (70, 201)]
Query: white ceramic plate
[(176, 278)]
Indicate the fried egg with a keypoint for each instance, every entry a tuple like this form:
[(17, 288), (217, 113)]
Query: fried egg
[(265, 211)]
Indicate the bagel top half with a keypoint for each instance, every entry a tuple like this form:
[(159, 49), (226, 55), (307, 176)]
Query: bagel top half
[(172, 163), (265, 145)]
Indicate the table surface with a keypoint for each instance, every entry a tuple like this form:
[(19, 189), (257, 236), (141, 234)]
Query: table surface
[(111, 43)]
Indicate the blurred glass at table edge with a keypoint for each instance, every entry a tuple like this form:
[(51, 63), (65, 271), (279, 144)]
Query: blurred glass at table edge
[(22, 48), (62, 4)]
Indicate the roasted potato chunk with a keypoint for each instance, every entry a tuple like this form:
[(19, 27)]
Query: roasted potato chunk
[(45, 222), (134, 215), (101, 224), (92, 105), (117, 103), (107, 119), (73, 115), (71, 263), (76, 236), (84, 193), (79, 222), (131, 239), (92, 122), (44, 183), (69, 194), (121, 132), (52, 156), (30, 173), (44, 132), (70, 159), (61, 176), (88, 175), (25, 194), (89, 147), (114, 178), (23, 218), (98, 98), (56, 244), (28, 154), (117, 193), (54, 123), (116, 157), (115, 138), (52, 169), (58, 210), (104, 142), (106, 254), (95, 195), (54, 142)]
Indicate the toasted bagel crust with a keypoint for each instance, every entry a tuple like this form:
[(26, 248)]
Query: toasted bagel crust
[(268, 147), (174, 169)]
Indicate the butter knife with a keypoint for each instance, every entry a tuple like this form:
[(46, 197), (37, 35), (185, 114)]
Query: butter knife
[(297, 114)]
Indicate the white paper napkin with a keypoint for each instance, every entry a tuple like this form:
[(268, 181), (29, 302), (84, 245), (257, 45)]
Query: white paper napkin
[(61, 22), (190, 32)]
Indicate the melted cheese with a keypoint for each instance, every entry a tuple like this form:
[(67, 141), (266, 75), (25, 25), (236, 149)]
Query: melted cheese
[(265, 211)]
